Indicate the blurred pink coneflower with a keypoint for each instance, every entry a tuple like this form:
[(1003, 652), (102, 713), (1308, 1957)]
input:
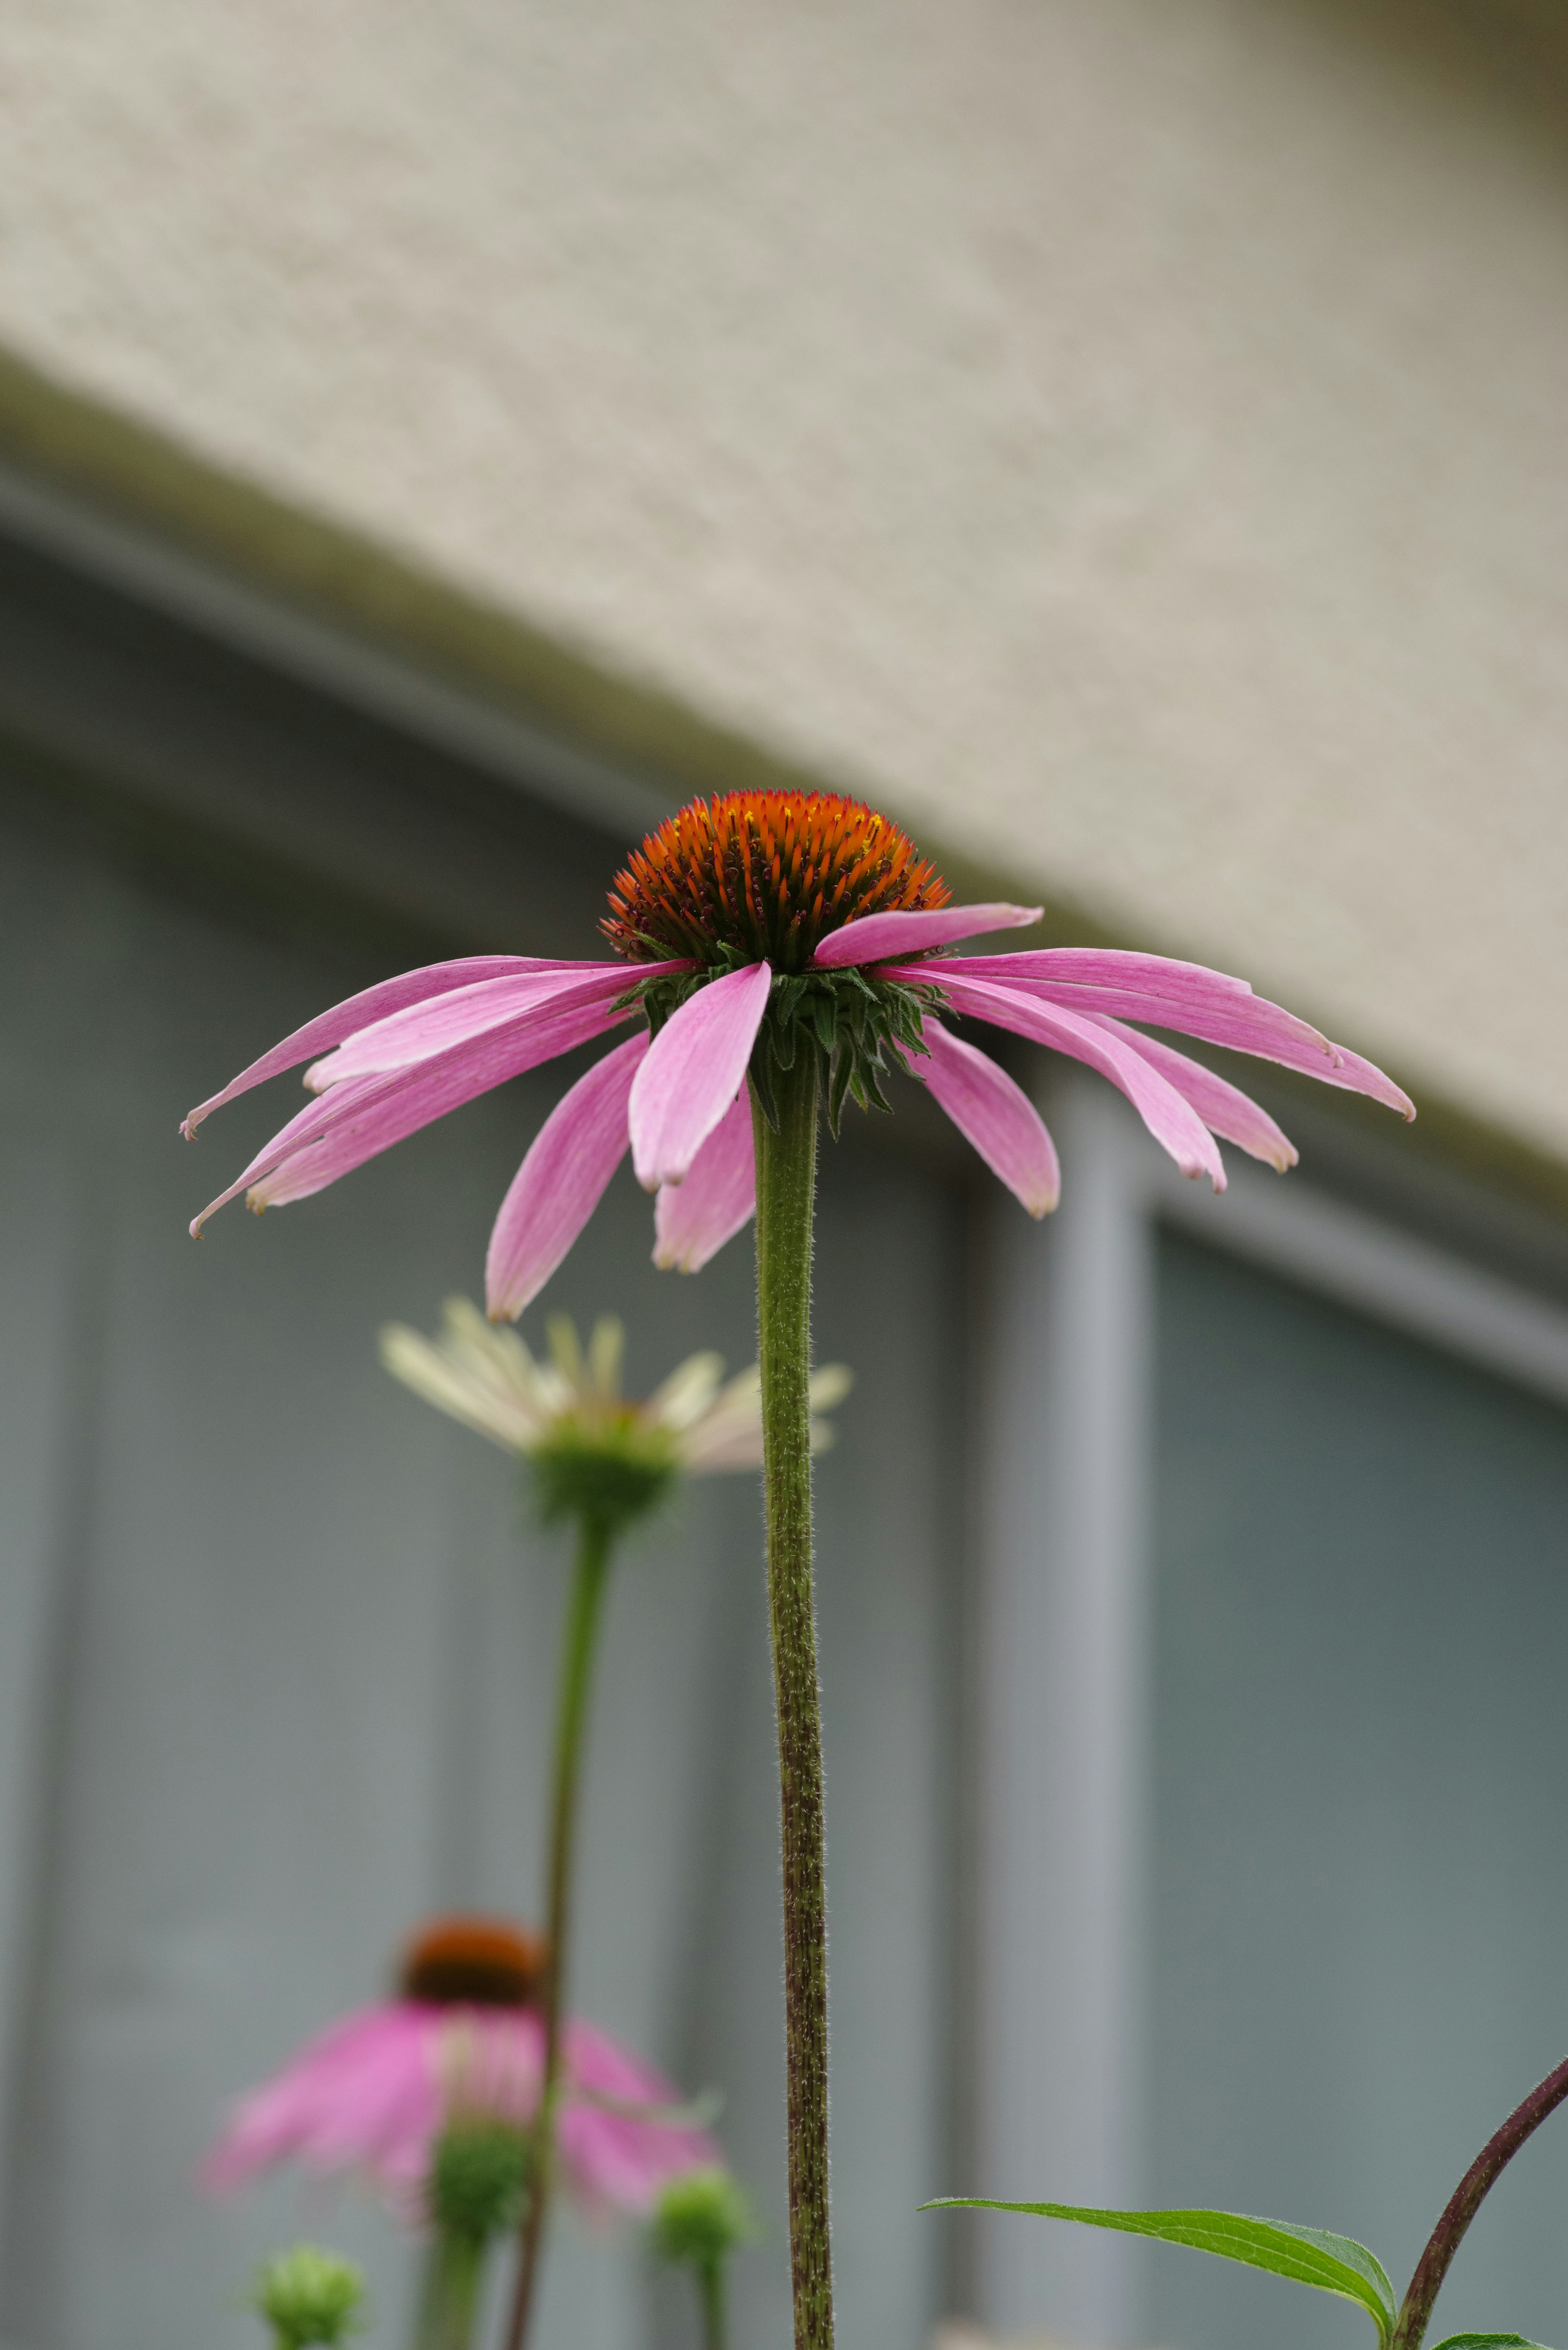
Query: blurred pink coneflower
[(464, 2039)]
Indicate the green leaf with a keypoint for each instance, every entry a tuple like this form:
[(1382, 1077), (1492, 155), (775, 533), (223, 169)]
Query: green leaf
[(1489, 2342), (1309, 2255)]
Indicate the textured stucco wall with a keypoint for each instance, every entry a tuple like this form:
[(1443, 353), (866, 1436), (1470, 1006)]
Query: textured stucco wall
[(1125, 434)]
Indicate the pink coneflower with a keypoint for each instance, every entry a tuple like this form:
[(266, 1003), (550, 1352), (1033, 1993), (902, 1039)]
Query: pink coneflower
[(779, 951), (807, 909), (464, 2038)]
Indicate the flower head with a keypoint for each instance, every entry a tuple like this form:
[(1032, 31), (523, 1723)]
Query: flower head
[(311, 2299), (569, 1413), (474, 1963), (759, 873), (752, 928), (463, 2042)]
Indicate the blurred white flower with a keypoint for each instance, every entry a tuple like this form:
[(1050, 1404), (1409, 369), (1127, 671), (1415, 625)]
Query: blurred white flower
[(486, 1377)]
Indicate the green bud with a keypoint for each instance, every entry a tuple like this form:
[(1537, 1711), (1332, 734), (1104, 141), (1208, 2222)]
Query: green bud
[(700, 2216), (478, 2175), (311, 2299)]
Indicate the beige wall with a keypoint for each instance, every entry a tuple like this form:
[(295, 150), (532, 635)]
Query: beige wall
[(1126, 436)]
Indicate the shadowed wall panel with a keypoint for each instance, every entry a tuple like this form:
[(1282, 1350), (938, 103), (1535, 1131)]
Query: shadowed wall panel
[(1362, 1775)]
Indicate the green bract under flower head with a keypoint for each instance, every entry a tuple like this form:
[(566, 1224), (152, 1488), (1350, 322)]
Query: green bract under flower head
[(613, 1474), (700, 2217), (593, 1452), (311, 2299), (478, 2175)]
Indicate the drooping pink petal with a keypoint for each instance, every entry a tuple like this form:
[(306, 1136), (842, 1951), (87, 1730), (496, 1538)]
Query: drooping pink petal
[(371, 2094), (1224, 1109), (308, 1128), (372, 1004), (1188, 999), (1354, 1076), (1172, 1121), (877, 937), (425, 1029), (691, 1220), (360, 2095), (350, 1123), (561, 1182), (994, 1114), (616, 2150), (693, 1072), (1124, 967), (1181, 996)]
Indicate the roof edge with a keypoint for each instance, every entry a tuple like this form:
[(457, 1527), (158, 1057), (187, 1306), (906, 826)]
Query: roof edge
[(348, 582), (344, 576)]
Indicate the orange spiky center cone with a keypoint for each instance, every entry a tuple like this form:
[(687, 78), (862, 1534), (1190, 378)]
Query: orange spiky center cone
[(473, 1962), (764, 876)]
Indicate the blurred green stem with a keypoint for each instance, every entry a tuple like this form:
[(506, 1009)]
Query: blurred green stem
[(710, 2284), (449, 2298), (571, 1718)]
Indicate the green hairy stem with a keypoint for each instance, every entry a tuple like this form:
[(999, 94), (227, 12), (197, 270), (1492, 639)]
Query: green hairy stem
[(571, 1717), (786, 1182), (1467, 2197)]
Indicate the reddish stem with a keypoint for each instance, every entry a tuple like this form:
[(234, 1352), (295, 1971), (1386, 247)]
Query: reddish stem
[(1467, 2197)]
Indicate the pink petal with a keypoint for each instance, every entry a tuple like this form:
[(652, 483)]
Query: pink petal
[(996, 1115), (691, 1220), (372, 1004), (371, 2093), (614, 2157), (426, 1029), (352, 2093), (561, 1182), (1354, 1076), (1224, 1109), (352, 1122), (1183, 997), (691, 1076), (1108, 967), (1174, 1125), (875, 937), (305, 1132), (305, 1128), (1189, 999)]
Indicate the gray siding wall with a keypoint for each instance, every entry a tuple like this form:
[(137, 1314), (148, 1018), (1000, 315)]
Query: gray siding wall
[(275, 1640), (1359, 1900)]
